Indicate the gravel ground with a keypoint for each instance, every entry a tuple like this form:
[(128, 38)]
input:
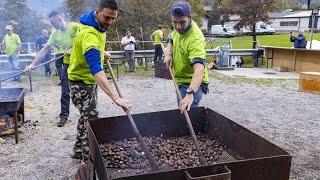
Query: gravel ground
[(274, 109)]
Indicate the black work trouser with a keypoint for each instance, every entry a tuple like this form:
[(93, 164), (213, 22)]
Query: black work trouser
[(158, 52)]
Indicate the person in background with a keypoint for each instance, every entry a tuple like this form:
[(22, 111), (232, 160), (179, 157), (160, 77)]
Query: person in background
[(11, 45), (299, 41), (170, 34), (128, 42), (239, 62), (40, 43), (1, 49), (186, 54), (61, 38), (86, 70), (156, 37)]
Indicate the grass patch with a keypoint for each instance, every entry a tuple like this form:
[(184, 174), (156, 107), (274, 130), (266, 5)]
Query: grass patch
[(245, 42)]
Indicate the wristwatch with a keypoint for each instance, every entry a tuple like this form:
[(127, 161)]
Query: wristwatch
[(190, 91)]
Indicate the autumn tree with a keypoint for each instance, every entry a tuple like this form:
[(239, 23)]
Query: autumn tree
[(74, 8), (251, 12), (136, 14), (221, 11), (26, 23), (288, 4), (197, 10)]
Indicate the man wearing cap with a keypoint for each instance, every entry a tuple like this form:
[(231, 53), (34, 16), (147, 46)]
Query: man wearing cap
[(62, 39), (157, 37), (11, 44), (186, 55)]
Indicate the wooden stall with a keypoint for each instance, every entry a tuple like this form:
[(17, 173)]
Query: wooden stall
[(298, 60)]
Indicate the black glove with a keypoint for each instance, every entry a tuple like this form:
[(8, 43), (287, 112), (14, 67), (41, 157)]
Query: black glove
[(131, 42)]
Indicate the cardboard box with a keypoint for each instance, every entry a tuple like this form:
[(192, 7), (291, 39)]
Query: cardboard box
[(310, 82)]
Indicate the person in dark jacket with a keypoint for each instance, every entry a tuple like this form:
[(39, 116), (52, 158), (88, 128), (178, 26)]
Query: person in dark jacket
[(299, 41), (40, 43)]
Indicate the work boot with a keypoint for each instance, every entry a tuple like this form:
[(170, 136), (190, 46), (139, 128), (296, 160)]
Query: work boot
[(77, 155), (62, 121), (77, 152)]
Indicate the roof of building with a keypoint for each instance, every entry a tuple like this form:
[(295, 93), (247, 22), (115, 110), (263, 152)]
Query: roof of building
[(299, 14), (284, 14)]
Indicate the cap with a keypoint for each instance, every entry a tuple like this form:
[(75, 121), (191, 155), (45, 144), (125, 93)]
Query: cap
[(9, 27), (180, 9)]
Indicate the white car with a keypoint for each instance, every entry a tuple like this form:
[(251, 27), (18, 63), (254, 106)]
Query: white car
[(265, 29), (261, 28), (221, 31)]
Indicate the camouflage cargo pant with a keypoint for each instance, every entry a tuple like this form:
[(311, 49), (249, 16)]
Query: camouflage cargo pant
[(84, 97)]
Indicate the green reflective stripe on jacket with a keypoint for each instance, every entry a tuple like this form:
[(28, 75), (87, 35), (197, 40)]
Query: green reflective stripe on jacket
[(186, 48), (86, 38)]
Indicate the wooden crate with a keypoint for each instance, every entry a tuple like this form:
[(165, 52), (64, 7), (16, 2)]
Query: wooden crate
[(161, 71), (310, 82)]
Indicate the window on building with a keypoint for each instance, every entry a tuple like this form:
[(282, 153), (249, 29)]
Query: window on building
[(289, 23)]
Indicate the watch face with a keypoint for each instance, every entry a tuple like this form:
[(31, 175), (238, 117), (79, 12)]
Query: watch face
[(189, 91)]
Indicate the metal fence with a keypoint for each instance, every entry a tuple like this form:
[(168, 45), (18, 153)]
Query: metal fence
[(28, 48), (212, 42), (140, 45)]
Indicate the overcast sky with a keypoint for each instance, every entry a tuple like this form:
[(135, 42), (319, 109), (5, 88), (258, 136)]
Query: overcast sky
[(44, 7)]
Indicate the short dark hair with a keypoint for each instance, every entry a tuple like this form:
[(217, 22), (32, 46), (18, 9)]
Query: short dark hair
[(53, 14), (112, 4)]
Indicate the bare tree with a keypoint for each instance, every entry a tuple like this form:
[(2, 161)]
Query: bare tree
[(26, 23)]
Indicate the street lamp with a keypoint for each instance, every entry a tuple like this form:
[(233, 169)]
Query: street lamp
[(314, 5)]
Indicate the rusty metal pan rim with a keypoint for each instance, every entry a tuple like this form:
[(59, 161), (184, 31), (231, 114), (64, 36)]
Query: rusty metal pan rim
[(205, 109), (202, 166), (251, 131)]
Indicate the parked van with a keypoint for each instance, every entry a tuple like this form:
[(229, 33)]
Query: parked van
[(221, 31), (261, 28)]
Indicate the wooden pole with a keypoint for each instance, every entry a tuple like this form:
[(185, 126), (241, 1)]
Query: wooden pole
[(202, 160), (141, 31), (118, 37), (143, 145)]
